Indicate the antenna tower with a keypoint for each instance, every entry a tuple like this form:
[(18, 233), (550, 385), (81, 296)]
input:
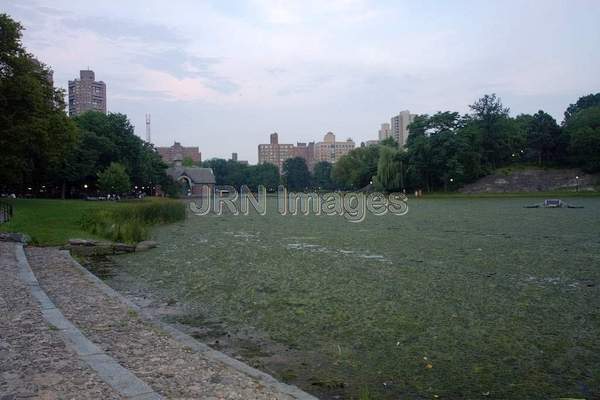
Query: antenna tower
[(148, 136)]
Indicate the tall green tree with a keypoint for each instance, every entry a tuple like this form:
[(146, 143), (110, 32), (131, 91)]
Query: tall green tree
[(583, 129), (591, 100), (295, 174), (436, 150), (220, 170), (545, 142), (36, 133), (322, 175), (264, 174), (388, 176), (499, 136), (356, 169), (115, 141), (390, 142)]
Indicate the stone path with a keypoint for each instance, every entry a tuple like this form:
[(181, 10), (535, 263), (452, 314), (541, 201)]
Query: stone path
[(172, 364), (34, 360)]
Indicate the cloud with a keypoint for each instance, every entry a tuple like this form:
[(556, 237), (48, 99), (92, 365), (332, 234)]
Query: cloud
[(121, 28), (348, 64), (183, 65)]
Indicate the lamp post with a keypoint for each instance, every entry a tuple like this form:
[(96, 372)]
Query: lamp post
[(577, 180)]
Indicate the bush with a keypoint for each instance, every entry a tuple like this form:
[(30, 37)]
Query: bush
[(114, 179), (131, 222)]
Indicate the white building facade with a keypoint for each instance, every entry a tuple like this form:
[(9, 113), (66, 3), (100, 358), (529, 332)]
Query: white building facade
[(399, 126)]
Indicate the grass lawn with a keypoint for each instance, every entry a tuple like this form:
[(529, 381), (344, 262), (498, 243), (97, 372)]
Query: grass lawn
[(459, 299), (51, 222), (54, 222)]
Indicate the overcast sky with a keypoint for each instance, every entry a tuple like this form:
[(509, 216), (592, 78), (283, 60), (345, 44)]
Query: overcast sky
[(224, 74)]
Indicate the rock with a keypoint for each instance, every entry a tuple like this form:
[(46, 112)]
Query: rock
[(82, 242), (145, 245), (14, 237), (123, 248)]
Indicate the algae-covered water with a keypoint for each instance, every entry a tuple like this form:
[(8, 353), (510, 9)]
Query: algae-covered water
[(460, 298)]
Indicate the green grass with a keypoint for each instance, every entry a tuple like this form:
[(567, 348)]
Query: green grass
[(461, 298), (51, 222), (54, 222)]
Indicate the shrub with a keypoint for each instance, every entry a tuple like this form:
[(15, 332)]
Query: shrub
[(114, 179), (131, 222)]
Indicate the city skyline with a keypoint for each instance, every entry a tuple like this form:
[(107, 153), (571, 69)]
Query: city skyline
[(212, 72)]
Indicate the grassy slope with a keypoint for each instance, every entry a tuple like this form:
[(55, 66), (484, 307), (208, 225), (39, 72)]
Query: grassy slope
[(51, 222)]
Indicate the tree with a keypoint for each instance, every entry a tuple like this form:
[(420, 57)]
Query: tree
[(436, 150), (295, 174), (265, 174), (322, 175), (499, 136), (220, 170), (390, 142), (36, 133), (229, 172), (114, 140), (591, 100), (388, 170), (114, 179), (583, 128), (544, 139), (356, 169)]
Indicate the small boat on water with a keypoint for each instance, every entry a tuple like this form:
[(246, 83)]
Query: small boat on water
[(553, 203)]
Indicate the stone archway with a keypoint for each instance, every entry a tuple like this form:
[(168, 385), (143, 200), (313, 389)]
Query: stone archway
[(185, 185)]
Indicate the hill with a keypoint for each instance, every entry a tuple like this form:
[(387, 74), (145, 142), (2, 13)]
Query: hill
[(531, 179)]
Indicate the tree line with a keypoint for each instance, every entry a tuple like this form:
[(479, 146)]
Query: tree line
[(446, 150), (44, 152)]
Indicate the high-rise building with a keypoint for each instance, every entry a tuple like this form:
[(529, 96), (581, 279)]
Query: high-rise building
[(329, 150), (399, 126), (274, 152), (384, 131), (86, 94)]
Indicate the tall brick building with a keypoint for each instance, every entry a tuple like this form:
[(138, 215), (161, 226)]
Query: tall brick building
[(86, 94), (328, 150), (274, 152), (179, 152)]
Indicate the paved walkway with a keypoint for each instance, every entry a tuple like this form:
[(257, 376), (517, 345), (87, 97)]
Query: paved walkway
[(35, 362)]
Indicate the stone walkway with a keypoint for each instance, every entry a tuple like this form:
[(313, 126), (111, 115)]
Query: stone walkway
[(35, 362)]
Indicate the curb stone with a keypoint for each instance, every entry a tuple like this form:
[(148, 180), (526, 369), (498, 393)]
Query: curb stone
[(196, 346), (110, 371)]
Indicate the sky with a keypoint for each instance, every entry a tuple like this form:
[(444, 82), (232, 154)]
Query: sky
[(224, 74)]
